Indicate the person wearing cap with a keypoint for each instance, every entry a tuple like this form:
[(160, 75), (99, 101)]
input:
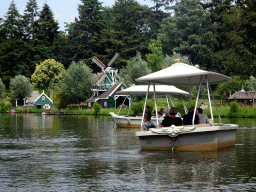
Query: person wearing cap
[(188, 118)]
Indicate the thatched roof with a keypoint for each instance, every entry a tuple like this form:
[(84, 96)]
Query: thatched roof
[(243, 95)]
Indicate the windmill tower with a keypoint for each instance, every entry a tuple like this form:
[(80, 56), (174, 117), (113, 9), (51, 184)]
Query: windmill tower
[(106, 85)]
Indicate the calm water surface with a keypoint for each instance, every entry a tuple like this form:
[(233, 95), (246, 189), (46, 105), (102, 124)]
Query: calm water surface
[(83, 153)]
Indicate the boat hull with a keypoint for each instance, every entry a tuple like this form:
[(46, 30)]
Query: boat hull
[(130, 122), (204, 139)]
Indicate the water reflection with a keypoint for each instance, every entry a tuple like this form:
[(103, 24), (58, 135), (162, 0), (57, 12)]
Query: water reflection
[(86, 153)]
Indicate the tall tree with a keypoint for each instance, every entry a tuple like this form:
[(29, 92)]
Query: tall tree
[(240, 52), (12, 23), (126, 30), (136, 67), (155, 59), (76, 82), (46, 29), (191, 32), (85, 32), (11, 44), (29, 18)]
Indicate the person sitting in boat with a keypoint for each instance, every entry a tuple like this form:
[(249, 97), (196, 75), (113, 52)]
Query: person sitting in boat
[(164, 112), (188, 118), (148, 113), (171, 119), (147, 123), (202, 117)]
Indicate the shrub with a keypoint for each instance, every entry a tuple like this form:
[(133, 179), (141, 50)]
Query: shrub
[(233, 107), (75, 106), (137, 108), (97, 108)]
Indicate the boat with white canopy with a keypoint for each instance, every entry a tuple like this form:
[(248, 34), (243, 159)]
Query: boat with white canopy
[(195, 137), (126, 121)]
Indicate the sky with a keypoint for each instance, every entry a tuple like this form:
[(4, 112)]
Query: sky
[(64, 10)]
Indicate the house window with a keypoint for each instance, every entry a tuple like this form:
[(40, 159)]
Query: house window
[(105, 104), (89, 104), (43, 97)]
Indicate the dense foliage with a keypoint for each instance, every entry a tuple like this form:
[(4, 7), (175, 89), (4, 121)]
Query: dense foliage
[(20, 87), (218, 35), (76, 82), (47, 74), (2, 89), (136, 67)]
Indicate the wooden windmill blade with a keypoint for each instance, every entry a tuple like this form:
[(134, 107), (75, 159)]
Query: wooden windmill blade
[(113, 59), (99, 63)]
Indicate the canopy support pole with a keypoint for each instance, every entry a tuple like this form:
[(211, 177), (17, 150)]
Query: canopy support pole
[(122, 105), (167, 102), (130, 105), (209, 98), (145, 106), (154, 88), (184, 106), (215, 103), (171, 100), (189, 93), (194, 115)]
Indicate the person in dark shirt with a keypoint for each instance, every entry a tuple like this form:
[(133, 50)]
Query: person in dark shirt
[(148, 113), (188, 118), (171, 119)]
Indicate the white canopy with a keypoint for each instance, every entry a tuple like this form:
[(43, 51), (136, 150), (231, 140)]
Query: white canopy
[(183, 74), (160, 90)]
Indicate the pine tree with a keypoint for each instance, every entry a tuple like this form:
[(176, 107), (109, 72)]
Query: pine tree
[(12, 23), (11, 44), (85, 32), (29, 18)]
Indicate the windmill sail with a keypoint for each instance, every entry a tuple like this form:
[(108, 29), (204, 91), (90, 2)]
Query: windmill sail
[(99, 63), (113, 59)]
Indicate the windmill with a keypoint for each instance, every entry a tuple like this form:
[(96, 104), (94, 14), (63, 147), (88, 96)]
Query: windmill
[(110, 73), (104, 93)]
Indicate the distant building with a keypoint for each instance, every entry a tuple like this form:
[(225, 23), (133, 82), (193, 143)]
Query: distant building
[(106, 86), (243, 98), (38, 101)]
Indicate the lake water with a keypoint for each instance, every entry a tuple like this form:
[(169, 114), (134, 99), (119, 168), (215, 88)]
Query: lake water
[(84, 153)]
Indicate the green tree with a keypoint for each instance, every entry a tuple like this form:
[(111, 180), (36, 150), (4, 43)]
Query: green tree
[(12, 23), (155, 59), (76, 82), (2, 89), (252, 83), (29, 16), (169, 60), (20, 87), (240, 52), (191, 32), (127, 30), (85, 32), (235, 84), (11, 44), (136, 67), (46, 29), (47, 74)]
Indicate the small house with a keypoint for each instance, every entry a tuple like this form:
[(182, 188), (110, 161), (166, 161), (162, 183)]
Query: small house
[(243, 98), (43, 102)]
